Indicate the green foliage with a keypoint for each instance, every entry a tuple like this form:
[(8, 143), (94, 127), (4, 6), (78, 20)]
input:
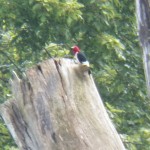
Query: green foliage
[(32, 30), (5, 140)]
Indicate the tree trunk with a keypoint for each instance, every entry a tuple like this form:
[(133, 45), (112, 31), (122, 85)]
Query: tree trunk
[(143, 19), (57, 107)]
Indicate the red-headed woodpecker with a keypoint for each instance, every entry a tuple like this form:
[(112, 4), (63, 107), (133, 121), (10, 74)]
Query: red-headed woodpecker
[(79, 56)]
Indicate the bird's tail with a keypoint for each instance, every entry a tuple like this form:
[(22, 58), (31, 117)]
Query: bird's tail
[(86, 67)]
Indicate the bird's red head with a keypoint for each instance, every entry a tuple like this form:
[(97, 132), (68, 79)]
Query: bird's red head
[(75, 49)]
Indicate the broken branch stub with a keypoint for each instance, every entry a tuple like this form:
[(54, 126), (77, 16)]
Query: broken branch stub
[(57, 107)]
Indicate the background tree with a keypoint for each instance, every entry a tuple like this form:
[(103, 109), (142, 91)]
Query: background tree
[(105, 30), (143, 19)]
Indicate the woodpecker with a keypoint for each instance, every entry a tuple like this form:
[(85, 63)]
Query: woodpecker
[(80, 57)]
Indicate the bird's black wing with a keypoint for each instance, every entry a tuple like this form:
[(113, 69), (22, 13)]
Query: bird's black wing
[(81, 57)]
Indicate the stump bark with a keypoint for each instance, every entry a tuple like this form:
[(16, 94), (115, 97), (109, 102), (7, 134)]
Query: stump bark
[(57, 107)]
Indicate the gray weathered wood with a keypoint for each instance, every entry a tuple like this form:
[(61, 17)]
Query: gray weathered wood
[(57, 107), (143, 20)]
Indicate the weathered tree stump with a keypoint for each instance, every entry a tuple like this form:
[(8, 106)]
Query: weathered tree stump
[(58, 108), (143, 20)]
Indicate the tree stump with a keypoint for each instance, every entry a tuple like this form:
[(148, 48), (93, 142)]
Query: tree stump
[(57, 107), (143, 20)]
